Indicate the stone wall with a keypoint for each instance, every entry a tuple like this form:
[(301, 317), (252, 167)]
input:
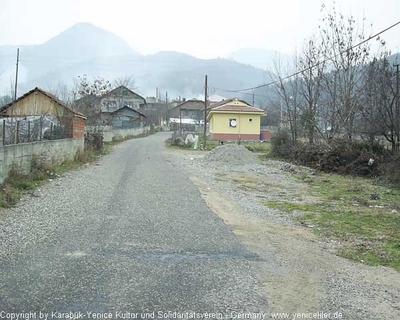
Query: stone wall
[(109, 133), (23, 153)]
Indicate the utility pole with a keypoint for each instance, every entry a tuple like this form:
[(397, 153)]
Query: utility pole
[(205, 111), (166, 97), (281, 114), (253, 100), (180, 120), (16, 77), (397, 117)]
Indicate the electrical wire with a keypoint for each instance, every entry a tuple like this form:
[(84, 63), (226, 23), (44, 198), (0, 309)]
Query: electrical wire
[(250, 94), (317, 64)]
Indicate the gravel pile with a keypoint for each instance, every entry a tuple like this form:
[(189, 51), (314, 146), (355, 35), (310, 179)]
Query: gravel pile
[(233, 154)]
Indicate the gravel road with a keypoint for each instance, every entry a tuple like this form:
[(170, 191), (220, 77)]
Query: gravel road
[(299, 271), (129, 234)]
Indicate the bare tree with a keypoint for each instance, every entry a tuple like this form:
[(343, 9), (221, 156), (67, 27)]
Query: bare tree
[(346, 57), (288, 93), (63, 92), (380, 111), (312, 68), (5, 99), (96, 87), (89, 93), (127, 81)]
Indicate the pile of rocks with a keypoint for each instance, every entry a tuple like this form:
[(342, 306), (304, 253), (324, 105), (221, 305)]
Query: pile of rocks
[(232, 154)]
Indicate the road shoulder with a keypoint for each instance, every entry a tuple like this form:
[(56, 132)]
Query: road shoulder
[(301, 272)]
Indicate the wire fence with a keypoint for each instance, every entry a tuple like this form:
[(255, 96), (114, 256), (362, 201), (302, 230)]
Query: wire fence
[(16, 130)]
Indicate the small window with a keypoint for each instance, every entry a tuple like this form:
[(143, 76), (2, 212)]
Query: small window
[(232, 123), (250, 120)]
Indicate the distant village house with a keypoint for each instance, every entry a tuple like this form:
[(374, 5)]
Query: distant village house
[(119, 108), (39, 115), (234, 119)]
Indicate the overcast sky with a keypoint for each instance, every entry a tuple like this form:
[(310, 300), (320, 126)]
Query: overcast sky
[(203, 28)]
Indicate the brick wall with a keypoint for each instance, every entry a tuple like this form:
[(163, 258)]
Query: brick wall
[(78, 127), (267, 134), (74, 127)]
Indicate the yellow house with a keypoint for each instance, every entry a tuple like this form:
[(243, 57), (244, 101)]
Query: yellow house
[(234, 119)]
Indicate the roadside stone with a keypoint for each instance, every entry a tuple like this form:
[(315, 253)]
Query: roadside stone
[(36, 194), (178, 142)]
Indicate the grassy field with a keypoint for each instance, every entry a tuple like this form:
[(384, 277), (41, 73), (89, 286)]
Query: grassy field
[(363, 217)]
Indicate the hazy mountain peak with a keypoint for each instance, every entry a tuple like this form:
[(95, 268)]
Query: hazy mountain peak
[(85, 40), (85, 25)]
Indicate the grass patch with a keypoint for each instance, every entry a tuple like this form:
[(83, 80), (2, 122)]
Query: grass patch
[(362, 216), (262, 148), (258, 146), (210, 144)]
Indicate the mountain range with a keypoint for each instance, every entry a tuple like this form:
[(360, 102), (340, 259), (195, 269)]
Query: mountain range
[(87, 49), (260, 58)]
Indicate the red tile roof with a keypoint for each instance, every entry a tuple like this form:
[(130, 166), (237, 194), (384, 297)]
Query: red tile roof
[(229, 105), (236, 108)]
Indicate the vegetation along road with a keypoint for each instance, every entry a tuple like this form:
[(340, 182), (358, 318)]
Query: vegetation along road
[(151, 228)]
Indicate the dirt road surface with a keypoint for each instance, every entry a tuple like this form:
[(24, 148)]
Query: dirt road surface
[(152, 229), (298, 272)]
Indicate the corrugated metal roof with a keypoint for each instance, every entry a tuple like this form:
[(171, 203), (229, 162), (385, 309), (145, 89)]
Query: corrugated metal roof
[(121, 88), (193, 104), (135, 110), (47, 94)]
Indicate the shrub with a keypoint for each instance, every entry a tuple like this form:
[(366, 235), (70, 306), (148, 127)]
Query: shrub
[(392, 170), (281, 145), (84, 156), (95, 141), (339, 156)]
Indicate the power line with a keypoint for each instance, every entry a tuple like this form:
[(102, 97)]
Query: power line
[(317, 64), (250, 94)]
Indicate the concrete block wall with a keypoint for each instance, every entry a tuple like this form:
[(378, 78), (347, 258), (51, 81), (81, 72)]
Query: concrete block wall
[(23, 153), (123, 133)]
